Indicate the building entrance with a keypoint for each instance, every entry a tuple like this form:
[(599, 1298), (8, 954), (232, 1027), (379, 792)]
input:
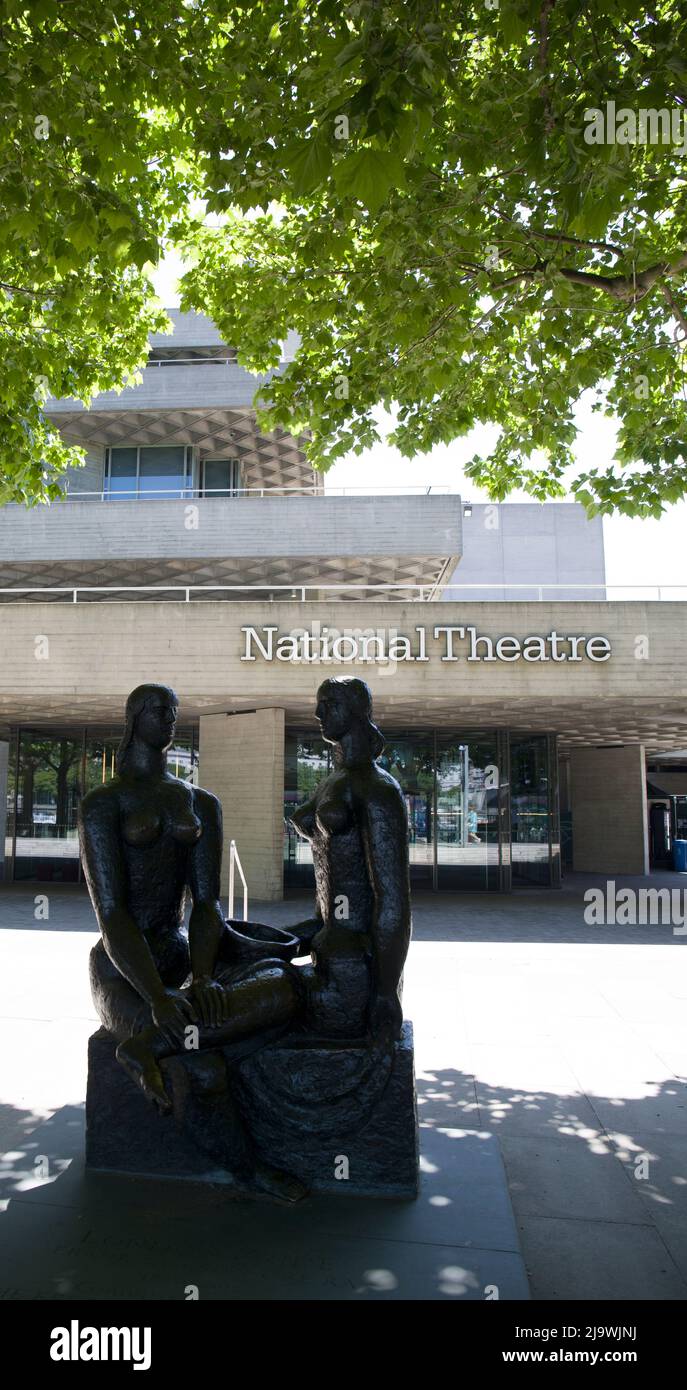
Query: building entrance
[(482, 806)]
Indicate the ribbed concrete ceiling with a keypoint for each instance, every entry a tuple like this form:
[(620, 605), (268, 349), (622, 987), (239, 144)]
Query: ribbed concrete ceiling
[(577, 722), (274, 460), (427, 571)]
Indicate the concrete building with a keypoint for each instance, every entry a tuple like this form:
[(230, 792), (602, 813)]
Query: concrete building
[(521, 709), (530, 551)]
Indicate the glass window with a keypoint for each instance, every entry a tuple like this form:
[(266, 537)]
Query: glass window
[(162, 471), (467, 811), (48, 793), (460, 802), (101, 753), (101, 750), (410, 759), (220, 477), (530, 828), (54, 770), (307, 761), (121, 480), (158, 471), (6, 866)]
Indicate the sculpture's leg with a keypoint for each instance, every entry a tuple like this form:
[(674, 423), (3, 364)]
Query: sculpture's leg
[(264, 998), (207, 1110), (203, 1102)]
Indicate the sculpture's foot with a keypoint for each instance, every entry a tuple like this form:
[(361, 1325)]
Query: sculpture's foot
[(276, 1183), (140, 1064)]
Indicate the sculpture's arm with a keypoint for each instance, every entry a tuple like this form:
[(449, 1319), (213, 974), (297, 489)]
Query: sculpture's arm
[(206, 925), (385, 835), (303, 822), (306, 930), (103, 864)]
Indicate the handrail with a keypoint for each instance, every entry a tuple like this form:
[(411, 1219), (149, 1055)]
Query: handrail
[(185, 494), (234, 859), (416, 593), (226, 361)]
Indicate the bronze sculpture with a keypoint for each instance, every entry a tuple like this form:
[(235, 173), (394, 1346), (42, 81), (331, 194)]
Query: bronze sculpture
[(356, 822), (147, 839)]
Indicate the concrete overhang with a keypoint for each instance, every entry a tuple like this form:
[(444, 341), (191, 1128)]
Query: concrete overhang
[(292, 540), (97, 656), (170, 386)]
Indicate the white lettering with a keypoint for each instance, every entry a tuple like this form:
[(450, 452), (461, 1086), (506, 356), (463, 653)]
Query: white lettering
[(252, 635), (449, 640), (474, 640), (507, 649), (598, 648)]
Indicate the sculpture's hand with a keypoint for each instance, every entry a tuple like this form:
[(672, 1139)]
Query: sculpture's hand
[(305, 931), (386, 1018), (211, 1001), (172, 1012)]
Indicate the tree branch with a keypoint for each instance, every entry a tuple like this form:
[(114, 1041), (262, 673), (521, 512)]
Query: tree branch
[(675, 309), (19, 289), (621, 287), (625, 287)]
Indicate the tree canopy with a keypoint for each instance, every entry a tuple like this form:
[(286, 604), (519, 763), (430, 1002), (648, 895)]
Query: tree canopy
[(470, 214)]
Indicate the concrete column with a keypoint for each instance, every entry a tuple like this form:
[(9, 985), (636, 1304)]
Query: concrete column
[(4, 761), (609, 812), (241, 760)]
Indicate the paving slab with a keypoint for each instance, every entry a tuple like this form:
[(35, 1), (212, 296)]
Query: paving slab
[(585, 1180), (606, 1260), (563, 1043), (656, 1166), (102, 1236)]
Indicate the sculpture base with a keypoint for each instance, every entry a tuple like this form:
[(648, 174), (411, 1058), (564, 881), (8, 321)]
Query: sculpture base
[(320, 1111)]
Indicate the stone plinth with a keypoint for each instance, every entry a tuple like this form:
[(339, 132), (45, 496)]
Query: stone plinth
[(338, 1117)]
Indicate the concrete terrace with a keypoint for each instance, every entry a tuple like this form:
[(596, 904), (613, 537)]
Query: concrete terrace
[(546, 1048)]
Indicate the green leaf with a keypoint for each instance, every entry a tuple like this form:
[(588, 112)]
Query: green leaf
[(310, 164), (369, 175)]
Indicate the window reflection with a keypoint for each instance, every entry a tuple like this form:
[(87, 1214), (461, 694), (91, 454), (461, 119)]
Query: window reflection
[(158, 471), (410, 759), (467, 812), (307, 760), (45, 784), (48, 789), (530, 828)]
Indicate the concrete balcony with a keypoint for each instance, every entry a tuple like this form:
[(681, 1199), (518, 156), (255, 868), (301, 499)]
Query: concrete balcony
[(244, 540), (172, 385)]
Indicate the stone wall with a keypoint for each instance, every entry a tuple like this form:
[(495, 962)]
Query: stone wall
[(609, 812), (242, 762)]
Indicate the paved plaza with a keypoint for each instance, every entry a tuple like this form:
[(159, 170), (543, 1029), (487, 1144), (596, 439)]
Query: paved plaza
[(551, 1059)]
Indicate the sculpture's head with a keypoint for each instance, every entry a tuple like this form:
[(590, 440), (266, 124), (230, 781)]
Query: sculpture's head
[(344, 706), (151, 716)]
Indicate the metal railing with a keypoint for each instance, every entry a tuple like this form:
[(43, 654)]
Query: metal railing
[(234, 860), (225, 361), (189, 494), (414, 593)]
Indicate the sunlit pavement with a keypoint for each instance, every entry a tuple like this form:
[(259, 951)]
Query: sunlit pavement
[(561, 1043)]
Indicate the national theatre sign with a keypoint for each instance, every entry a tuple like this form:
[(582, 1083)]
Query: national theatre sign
[(322, 644)]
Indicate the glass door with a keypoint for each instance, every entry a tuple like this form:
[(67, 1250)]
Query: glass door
[(307, 759), (534, 810), (410, 759), (467, 812)]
